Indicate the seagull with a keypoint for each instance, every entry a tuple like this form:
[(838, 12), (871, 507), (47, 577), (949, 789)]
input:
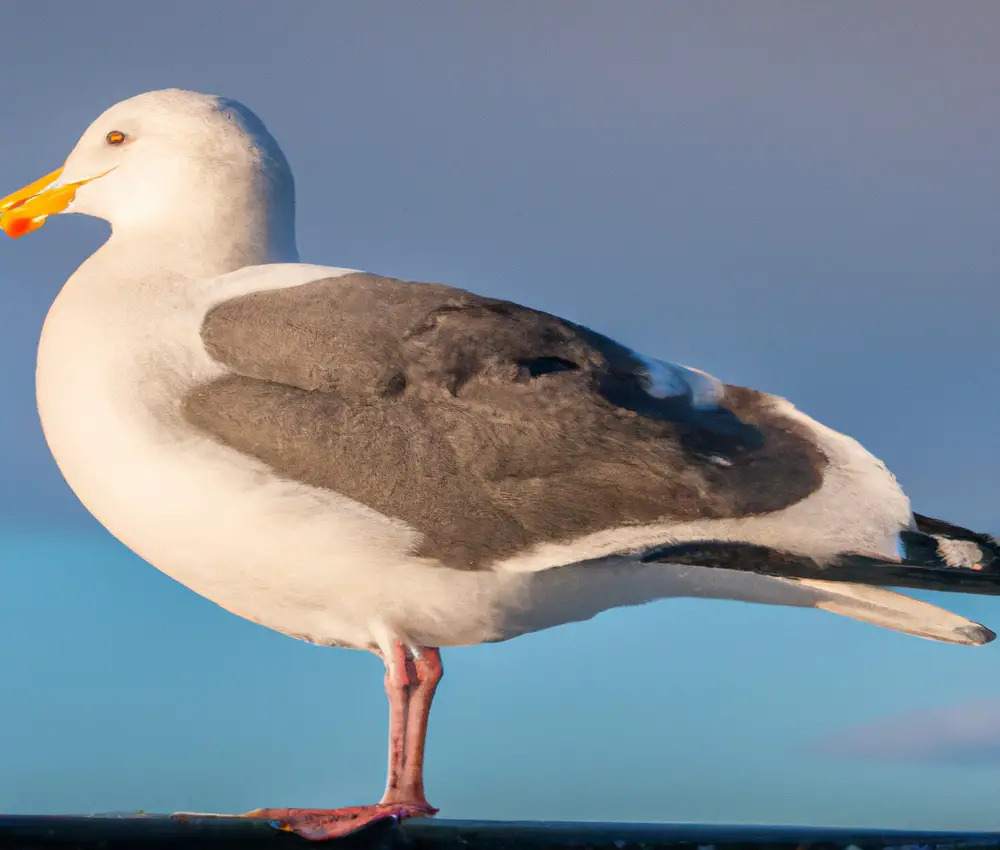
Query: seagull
[(383, 465)]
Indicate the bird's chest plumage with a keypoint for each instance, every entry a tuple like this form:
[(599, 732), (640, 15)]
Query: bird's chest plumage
[(303, 561)]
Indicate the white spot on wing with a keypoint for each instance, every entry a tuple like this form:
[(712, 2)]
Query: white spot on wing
[(662, 380), (666, 380)]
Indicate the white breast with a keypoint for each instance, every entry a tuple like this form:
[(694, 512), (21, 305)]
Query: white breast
[(112, 366)]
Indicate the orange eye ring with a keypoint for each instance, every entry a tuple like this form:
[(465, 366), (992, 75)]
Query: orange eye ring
[(115, 137)]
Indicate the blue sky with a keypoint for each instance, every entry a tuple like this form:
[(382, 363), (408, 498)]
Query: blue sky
[(798, 196)]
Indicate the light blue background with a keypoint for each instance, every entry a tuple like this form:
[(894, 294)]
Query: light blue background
[(800, 196)]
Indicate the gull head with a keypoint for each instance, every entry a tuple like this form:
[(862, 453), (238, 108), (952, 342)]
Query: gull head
[(162, 160)]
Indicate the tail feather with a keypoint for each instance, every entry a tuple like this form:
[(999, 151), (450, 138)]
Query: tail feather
[(938, 556), (892, 610)]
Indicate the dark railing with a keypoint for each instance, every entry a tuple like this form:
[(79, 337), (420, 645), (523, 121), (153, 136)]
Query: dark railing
[(26, 832)]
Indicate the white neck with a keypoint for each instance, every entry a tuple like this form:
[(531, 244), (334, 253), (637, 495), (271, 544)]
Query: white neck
[(114, 325), (190, 249)]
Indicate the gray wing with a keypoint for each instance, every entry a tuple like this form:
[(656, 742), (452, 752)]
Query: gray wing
[(487, 426)]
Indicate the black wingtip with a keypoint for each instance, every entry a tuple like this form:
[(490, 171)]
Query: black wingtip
[(854, 569), (934, 544), (917, 576)]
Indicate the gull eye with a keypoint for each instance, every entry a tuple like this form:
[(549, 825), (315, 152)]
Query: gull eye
[(115, 137)]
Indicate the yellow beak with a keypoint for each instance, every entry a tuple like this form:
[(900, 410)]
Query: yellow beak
[(28, 208)]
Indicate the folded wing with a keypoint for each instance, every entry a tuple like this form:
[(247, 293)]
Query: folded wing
[(487, 426)]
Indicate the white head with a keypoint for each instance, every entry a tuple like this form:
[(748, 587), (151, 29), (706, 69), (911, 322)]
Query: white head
[(174, 164)]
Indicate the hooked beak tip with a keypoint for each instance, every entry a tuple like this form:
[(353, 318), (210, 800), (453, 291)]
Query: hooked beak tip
[(28, 209)]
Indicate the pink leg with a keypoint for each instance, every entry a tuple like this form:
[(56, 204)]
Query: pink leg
[(410, 683), (424, 676), (397, 689)]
